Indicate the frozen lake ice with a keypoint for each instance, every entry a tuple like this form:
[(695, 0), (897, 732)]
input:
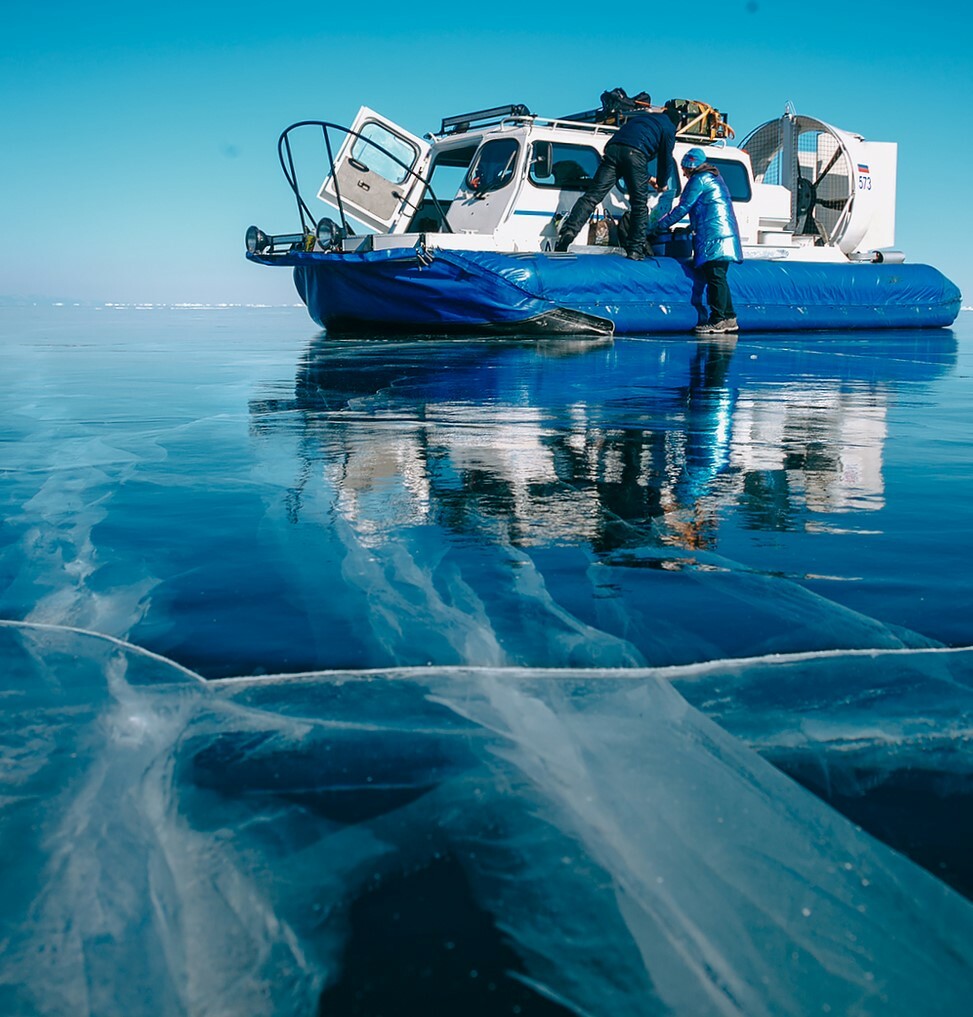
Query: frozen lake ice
[(426, 675)]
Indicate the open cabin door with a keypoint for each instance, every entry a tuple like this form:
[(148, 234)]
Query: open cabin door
[(374, 172)]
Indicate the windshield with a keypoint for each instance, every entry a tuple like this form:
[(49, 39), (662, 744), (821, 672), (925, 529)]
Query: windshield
[(493, 166)]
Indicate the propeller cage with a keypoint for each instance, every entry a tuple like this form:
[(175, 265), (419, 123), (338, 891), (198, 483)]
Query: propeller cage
[(812, 161)]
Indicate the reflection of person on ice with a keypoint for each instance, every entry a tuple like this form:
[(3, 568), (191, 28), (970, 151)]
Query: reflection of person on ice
[(642, 138), (716, 236)]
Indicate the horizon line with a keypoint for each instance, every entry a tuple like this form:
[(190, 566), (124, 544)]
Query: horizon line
[(136, 304)]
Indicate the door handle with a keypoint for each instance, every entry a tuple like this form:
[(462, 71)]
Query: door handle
[(360, 166)]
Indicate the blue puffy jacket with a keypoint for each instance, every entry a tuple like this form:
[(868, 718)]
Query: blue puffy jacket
[(716, 236)]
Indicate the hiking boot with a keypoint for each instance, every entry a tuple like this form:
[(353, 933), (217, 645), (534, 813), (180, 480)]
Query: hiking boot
[(563, 242), (706, 327), (726, 325)]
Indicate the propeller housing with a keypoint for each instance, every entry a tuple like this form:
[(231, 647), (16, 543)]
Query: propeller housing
[(842, 187)]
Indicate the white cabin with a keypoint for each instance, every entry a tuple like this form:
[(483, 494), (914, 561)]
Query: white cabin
[(502, 179)]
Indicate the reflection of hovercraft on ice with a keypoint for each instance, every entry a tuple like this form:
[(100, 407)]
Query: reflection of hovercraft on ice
[(598, 439), (462, 223)]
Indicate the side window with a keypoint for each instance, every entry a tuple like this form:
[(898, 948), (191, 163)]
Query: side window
[(493, 166), (448, 171), (735, 177), (555, 164), (378, 161), (446, 175)]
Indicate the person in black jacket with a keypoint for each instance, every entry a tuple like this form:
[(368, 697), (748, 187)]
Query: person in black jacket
[(642, 137)]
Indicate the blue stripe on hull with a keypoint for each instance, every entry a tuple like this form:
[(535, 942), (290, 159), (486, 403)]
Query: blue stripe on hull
[(479, 290)]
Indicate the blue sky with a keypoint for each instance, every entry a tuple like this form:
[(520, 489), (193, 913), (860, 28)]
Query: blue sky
[(138, 143)]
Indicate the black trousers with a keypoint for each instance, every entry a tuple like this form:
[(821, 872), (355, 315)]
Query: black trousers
[(717, 290), (629, 165)]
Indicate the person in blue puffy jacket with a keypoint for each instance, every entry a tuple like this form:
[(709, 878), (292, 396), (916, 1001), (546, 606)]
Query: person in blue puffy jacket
[(716, 236), (642, 138)]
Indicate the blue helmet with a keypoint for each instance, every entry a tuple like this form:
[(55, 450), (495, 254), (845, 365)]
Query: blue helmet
[(693, 159)]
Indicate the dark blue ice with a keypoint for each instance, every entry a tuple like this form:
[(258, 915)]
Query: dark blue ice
[(593, 678)]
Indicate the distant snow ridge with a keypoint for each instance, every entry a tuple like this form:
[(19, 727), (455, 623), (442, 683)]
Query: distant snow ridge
[(190, 306), (132, 305)]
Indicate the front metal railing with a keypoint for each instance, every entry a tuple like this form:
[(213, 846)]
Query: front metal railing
[(285, 153)]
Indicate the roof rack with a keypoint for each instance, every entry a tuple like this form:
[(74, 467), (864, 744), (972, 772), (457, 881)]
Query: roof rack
[(482, 118), (697, 120), (588, 116)]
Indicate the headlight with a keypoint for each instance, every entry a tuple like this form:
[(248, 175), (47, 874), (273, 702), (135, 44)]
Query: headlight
[(257, 240), (329, 234)]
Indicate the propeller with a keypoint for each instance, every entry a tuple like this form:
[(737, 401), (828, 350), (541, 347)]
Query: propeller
[(808, 200)]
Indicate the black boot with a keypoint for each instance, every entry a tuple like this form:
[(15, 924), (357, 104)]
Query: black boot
[(564, 240)]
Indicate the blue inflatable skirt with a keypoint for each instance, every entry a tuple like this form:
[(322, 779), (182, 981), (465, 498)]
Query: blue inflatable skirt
[(442, 291)]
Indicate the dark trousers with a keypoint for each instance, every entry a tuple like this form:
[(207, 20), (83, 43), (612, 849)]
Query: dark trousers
[(618, 163), (717, 290)]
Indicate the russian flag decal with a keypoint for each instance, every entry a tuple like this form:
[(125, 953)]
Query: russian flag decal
[(862, 168)]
